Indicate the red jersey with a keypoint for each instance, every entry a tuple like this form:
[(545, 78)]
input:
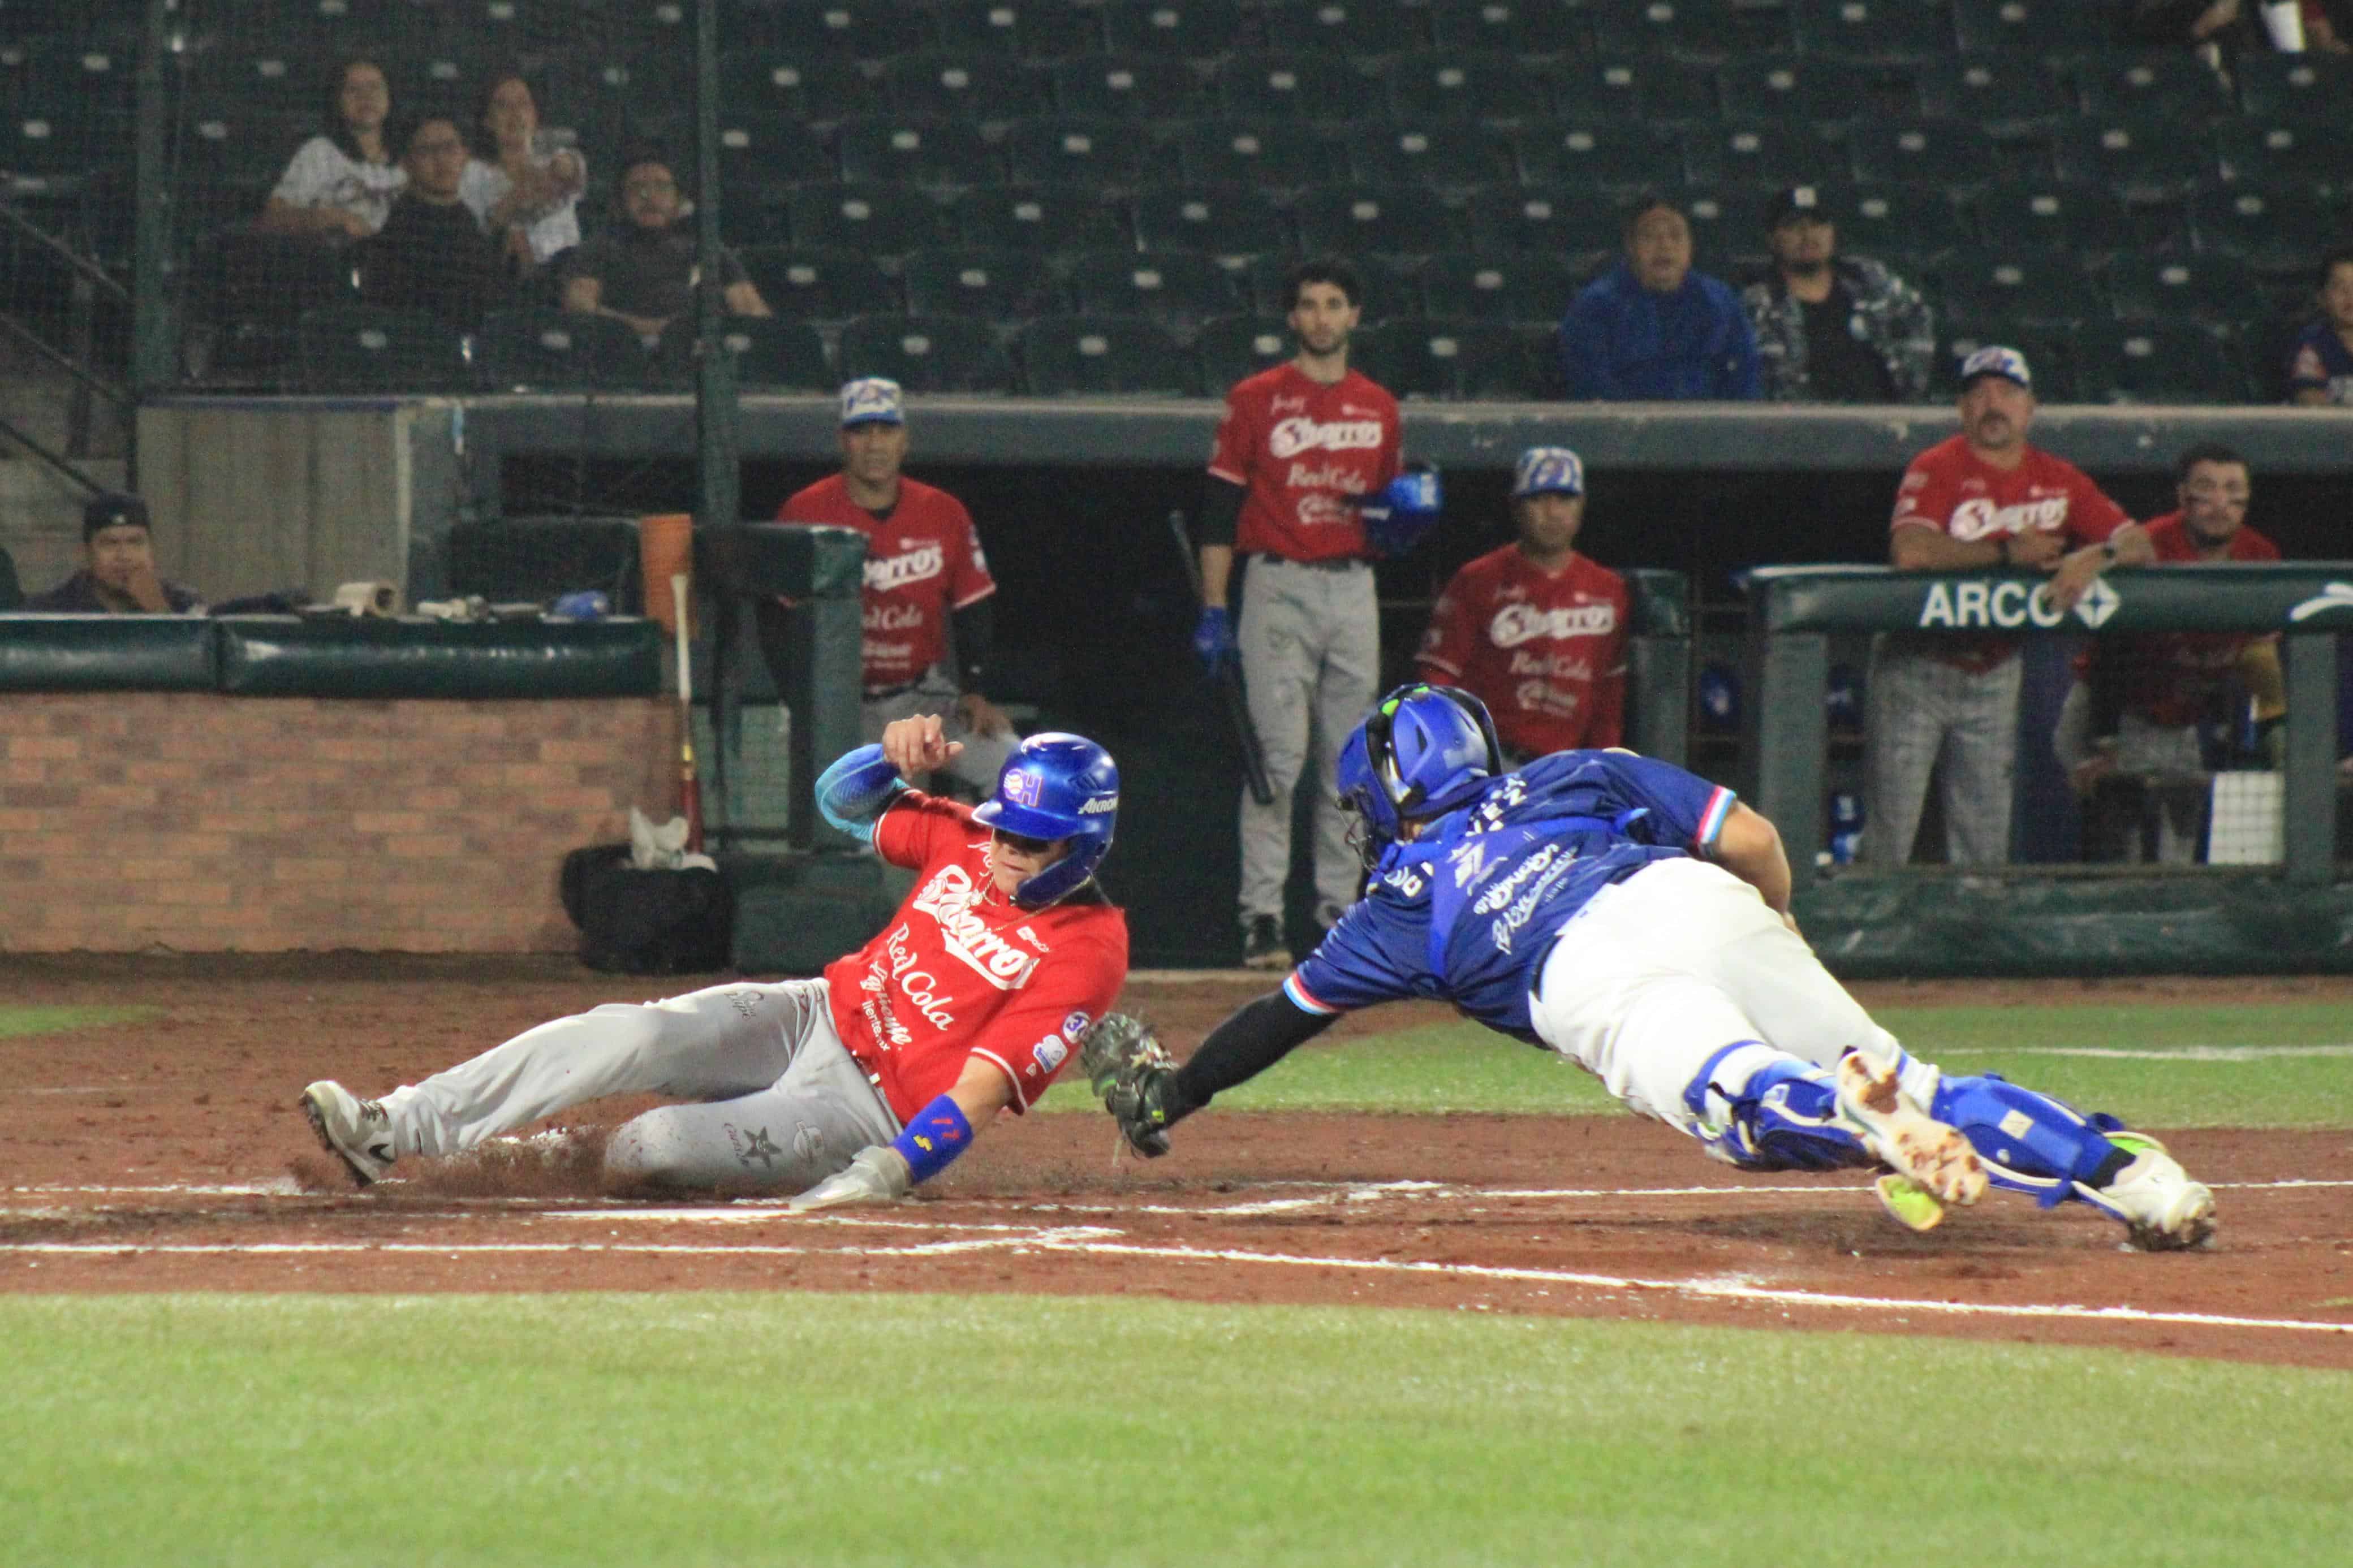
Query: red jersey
[(2175, 677), (962, 972), (1303, 453), (923, 561), (1546, 651), (1949, 487)]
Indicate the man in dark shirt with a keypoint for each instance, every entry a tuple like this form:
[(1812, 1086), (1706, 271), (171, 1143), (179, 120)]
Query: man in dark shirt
[(117, 575), (431, 255), (645, 275), (1831, 328)]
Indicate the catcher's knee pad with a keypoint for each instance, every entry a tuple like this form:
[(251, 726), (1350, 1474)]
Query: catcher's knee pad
[(2030, 1142), (1762, 1110)]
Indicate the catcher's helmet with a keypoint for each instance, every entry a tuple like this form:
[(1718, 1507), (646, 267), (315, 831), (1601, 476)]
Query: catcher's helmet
[(1422, 750), (1057, 787)]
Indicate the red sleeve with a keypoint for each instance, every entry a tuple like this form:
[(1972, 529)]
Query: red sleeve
[(1235, 451), (917, 829), (1608, 725), (2091, 515), (1036, 1035), (968, 578), (1446, 645), (2253, 546), (1925, 499)]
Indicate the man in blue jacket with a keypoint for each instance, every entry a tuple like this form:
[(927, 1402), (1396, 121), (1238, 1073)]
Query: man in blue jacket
[(1651, 329)]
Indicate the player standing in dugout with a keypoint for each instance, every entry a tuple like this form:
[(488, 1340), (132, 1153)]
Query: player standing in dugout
[(1301, 448)]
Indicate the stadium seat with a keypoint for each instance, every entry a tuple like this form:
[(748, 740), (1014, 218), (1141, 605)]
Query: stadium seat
[(240, 274), (1419, 359), (1439, 85), (1026, 29), (1691, 29), (1127, 87), (2141, 158), (1389, 284), (365, 349), (611, 100), (544, 349), (1727, 228), (1257, 86), (1889, 220), (1878, 30), (1035, 218), (762, 156), (962, 84), (2025, 29), (1214, 220), (878, 218), (2216, 288), (814, 285), (917, 152), (1634, 87), (1198, 29), (1757, 152), (1054, 151), (1095, 356), (2050, 353), (2052, 215), (2007, 95), (1001, 286), (861, 29), (1232, 347), (1628, 155), (2038, 288), (1448, 155), (1507, 221), (259, 81), (1283, 156), (51, 141), (1528, 289), (1515, 28), (803, 87), (1177, 289), (2280, 231), (943, 354), (1946, 152), (227, 145), (1343, 26), (771, 351), (2299, 150), (1391, 220), (2172, 84), (1792, 88), (2157, 362), (2294, 87)]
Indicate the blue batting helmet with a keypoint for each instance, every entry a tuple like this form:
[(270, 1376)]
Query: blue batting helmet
[(1056, 786), (1422, 750)]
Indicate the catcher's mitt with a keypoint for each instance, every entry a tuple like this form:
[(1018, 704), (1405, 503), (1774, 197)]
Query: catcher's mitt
[(1136, 1078)]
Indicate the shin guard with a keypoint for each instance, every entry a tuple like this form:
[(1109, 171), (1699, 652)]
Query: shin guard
[(1762, 1110), (2031, 1142)]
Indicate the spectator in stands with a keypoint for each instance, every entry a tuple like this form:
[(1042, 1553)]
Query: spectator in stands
[(2138, 703), (118, 574), (1534, 630), (646, 274), (1946, 702), (2320, 364), (1651, 328), (927, 584), (431, 255), (1832, 328), (2324, 28), (524, 193), (341, 183)]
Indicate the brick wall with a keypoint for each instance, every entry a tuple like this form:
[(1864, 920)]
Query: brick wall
[(206, 823)]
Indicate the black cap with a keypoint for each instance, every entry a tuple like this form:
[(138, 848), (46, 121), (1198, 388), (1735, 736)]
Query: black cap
[(1810, 200), (113, 509)]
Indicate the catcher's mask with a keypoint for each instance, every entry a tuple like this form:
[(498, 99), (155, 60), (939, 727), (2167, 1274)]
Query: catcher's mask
[(1422, 750), (1056, 786)]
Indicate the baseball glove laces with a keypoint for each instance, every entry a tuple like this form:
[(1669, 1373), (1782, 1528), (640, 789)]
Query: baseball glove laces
[(1133, 1074)]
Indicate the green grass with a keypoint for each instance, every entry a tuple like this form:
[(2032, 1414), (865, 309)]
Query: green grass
[(740, 1429), (1461, 1067), (16, 1021)]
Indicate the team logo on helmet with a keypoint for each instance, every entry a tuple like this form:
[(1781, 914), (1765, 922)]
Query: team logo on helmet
[(1019, 786)]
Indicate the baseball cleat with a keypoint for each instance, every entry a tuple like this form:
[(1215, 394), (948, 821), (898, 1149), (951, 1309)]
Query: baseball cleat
[(1263, 944), (2163, 1209), (1907, 1203), (355, 1130), (1912, 1143)]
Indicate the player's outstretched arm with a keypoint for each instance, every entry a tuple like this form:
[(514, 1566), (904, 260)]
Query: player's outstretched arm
[(1750, 846), (881, 1173), (1147, 1093), (854, 791)]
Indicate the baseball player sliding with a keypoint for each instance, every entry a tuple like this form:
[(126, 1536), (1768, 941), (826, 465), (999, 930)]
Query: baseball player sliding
[(1636, 919), (856, 1086)]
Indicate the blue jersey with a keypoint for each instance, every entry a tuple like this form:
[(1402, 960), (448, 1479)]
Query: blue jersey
[(1466, 912), (2319, 362)]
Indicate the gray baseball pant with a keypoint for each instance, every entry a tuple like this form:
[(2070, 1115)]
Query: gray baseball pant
[(1311, 648), (781, 1105), (2152, 751), (1925, 716), (983, 757)]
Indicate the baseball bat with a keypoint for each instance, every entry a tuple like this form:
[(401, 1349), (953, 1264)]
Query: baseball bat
[(689, 788), (1229, 679)]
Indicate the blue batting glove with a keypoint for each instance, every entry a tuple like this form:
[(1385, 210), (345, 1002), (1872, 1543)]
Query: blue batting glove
[(1213, 638)]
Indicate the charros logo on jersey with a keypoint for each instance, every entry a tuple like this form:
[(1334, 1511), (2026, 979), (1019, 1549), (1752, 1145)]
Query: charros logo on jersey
[(1516, 624), (1979, 518), (884, 573), (948, 898), (1300, 434)]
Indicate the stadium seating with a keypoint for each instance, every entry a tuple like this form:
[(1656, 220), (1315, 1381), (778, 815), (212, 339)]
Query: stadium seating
[(879, 220), (1025, 29), (1054, 151), (916, 150), (1448, 155), (811, 284), (1448, 85), (1232, 347), (1002, 286), (1215, 220), (1176, 289), (937, 354), (539, 351), (1094, 356), (1200, 29), (1125, 87), (1534, 287), (2217, 288), (2156, 361), (775, 354), (811, 89), (1034, 218), (1274, 154), (1388, 220), (1520, 29), (962, 84), (363, 349)]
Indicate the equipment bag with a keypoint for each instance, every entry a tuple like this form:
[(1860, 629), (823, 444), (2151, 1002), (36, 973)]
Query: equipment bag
[(648, 922)]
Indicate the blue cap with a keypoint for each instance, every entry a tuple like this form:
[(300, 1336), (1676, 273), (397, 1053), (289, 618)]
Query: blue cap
[(1548, 471), (1995, 360), (871, 400)]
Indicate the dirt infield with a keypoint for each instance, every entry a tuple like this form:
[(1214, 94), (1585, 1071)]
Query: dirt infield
[(166, 1155)]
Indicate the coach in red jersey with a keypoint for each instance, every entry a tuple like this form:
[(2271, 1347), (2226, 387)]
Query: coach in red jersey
[(2138, 702), (926, 581), (1984, 498), (1534, 630), (1298, 450)]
